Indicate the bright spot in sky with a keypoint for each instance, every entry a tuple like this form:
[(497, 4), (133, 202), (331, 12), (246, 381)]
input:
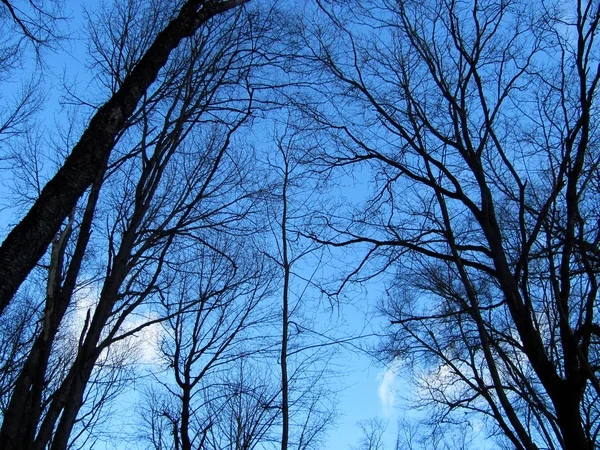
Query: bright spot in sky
[(140, 347)]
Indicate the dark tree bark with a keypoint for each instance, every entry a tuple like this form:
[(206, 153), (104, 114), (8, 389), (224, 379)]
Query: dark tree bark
[(23, 414), (463, 109), (28, 241), (285, 319), (53, 406)]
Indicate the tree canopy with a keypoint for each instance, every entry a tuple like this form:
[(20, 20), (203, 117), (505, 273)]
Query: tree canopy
[(238, 173)]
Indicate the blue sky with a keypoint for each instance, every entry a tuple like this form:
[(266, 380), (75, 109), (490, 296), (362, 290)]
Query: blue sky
[(366, 390)]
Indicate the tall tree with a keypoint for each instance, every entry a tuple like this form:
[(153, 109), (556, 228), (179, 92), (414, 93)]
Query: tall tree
[(216, 327), (477, 123), (27, 242), (303, 354), (172, 184)]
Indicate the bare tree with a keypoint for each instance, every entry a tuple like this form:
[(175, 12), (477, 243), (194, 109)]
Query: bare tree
[(305, 413), (216, 328), (416, 434), (373, 431), (89, 158), (476, 124), (27, 28), (173, 184), (286, 266), (246, 415), (34, 22)]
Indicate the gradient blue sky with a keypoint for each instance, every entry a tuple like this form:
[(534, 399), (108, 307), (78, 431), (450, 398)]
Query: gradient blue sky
[(366, 390)]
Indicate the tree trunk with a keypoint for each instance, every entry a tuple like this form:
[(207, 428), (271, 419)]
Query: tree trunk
[(285, 408), (568, 416), (28, 241), (25, 408)]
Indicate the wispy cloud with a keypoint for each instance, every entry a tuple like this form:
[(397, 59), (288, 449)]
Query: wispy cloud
[(386, 391)]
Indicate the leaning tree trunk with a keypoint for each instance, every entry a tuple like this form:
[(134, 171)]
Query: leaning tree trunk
[(28, 241), (25, 408)]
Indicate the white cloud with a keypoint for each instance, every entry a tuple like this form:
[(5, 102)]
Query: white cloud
[(386, 390), (145, 341), (140, 347)]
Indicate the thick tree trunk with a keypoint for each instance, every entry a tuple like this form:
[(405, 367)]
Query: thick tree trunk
[(72, 406), (184, 430), (568, 416), (24, 411), (28, 241)]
